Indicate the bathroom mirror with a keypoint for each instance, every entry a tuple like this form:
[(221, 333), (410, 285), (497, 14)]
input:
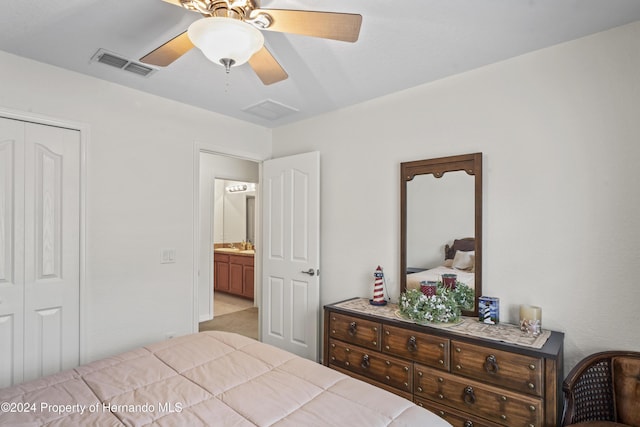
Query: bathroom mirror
[(234, 211), (441, 221)]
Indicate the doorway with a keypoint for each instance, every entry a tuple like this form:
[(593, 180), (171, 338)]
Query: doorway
[(227, 296)]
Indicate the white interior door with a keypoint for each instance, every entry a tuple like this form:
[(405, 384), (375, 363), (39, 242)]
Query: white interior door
[(11, 243), (40, 255), (290, 308), (52, 250)]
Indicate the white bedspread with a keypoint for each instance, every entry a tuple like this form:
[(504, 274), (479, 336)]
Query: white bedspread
[(435, 274), (210, 378)]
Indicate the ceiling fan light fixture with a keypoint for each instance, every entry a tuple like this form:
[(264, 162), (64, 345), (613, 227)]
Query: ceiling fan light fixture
[(225, 41)]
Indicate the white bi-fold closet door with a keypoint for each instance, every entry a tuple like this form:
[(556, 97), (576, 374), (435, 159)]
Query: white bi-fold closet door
[(39, 250)]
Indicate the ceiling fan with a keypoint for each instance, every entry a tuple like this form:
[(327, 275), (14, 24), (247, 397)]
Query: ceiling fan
[(229, 34)]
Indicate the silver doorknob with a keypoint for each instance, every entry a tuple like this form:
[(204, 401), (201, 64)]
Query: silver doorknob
[(310, 272)]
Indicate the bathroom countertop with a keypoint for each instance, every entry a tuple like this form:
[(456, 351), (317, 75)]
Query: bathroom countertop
[(234, 251)]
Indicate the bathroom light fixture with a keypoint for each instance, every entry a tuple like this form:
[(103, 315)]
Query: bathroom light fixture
[(241, 188), (226, 41)]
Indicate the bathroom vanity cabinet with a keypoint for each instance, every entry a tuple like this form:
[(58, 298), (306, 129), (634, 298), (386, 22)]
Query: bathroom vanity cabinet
[(234, 273)]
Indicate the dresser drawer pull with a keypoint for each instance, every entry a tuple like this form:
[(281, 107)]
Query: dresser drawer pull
[(532, 408), (365, 362), (353, 328), (491, 365), (469, 395), (412, 345), (468, 423), (531, 386)]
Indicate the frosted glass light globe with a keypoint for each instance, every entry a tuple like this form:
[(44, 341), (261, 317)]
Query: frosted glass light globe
[(225, 38)]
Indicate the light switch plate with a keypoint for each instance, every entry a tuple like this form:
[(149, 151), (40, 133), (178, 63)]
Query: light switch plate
[(167, 256)]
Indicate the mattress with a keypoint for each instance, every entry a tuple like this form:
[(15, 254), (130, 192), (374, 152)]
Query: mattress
[(209, 378)]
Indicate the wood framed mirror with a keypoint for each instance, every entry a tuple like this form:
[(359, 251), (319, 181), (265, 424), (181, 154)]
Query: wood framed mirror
[(441, 221)]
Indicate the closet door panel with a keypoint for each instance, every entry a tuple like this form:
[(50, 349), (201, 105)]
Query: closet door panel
[(52, 234), (11, 246)]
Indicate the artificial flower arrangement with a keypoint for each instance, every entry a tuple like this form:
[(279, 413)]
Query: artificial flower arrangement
[(444, 306)]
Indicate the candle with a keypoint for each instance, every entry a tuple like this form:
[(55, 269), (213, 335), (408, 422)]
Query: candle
[(449, 280), (531, 319), (428, 288)]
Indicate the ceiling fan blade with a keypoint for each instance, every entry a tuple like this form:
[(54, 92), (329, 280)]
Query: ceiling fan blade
[(266, 67), (169, 52), (328, 25), (174, 2)]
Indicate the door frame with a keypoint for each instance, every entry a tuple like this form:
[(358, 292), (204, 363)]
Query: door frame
[(83, 130), (210, 148)]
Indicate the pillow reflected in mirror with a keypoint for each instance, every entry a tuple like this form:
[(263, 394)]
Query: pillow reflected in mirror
[(464, 260)]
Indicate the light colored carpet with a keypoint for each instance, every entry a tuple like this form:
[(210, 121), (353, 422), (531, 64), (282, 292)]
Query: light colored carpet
[(244, 322)]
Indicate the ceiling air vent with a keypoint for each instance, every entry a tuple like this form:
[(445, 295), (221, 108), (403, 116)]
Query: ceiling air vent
[(109, 58), (270, 110)]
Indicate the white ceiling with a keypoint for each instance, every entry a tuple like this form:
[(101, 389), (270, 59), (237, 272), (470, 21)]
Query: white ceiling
[(402, 44)]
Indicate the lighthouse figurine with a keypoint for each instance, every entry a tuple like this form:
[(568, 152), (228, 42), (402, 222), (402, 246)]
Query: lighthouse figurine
[(378, 288)]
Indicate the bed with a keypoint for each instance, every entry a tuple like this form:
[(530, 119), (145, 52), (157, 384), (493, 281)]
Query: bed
[(459, 259), (209, 378)]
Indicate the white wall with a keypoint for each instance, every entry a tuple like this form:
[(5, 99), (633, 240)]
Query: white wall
[(559, 130), (140, 195)]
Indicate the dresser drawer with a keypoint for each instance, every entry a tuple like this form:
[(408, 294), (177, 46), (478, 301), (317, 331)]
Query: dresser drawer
[(494, 404), (515, 371), (454, 417), (377, 366), (423, 348), (354, 330)]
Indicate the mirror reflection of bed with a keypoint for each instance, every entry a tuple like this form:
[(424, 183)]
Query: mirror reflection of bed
[(458, 258), (440, 213)]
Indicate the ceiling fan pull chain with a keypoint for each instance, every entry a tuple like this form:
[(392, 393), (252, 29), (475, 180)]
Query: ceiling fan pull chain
[(228, 63)]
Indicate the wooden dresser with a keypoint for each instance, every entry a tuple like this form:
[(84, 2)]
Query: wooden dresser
[(469, 381)]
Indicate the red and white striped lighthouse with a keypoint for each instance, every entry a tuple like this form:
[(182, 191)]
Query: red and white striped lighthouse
[(378, 288)]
